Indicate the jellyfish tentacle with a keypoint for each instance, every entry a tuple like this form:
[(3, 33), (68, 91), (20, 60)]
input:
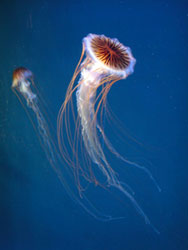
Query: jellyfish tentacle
[(129, 163), (85, 103), (22, 85)]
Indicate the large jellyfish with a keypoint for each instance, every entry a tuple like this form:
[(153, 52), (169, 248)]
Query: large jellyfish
[(81, 136)]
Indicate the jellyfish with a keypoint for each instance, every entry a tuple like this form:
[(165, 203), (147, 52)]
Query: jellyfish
[(23, 86), (80, 129)]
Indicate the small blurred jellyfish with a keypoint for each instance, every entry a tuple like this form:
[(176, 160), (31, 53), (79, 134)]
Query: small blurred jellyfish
[(79, 135), (24, 88)]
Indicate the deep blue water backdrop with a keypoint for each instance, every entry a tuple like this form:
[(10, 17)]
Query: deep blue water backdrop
[(46, 37)]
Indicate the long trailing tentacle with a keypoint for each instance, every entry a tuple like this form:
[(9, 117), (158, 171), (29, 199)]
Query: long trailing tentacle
[(63, 115), (88, 116), (110, 146)]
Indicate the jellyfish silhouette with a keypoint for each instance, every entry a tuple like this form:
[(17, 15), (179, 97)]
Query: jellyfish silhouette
[(103, 62)]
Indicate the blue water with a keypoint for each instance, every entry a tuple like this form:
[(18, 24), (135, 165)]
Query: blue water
[(46, 37)]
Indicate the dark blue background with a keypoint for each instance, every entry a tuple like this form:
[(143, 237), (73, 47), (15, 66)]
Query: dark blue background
[(46, 37)]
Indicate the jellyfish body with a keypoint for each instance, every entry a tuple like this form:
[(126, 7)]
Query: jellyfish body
[(22, 81), (23, 86), (102, 65), (106, 61)]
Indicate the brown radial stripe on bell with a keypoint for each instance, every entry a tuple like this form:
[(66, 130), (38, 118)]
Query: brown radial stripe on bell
[(111, 53)]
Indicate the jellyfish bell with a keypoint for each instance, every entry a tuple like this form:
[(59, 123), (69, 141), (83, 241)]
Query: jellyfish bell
[(22, 79), (21, 74), (109, 55)]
